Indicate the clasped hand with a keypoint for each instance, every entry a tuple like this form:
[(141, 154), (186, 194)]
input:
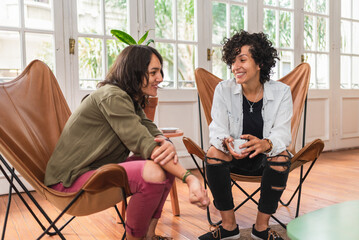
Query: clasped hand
[(165, 152), (253, 144)]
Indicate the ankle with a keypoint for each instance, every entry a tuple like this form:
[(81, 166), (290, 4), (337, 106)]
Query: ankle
[(260, 227), (229, 226)]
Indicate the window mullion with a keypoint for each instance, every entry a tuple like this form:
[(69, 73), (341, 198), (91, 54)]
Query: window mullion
[(175, 84)]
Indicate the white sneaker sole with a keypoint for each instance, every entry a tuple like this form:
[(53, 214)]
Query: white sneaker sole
[(235, 237), (255, 237)]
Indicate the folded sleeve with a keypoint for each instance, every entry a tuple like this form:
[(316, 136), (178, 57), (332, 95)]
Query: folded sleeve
[(280, 134), (151, 126), (219, 127)]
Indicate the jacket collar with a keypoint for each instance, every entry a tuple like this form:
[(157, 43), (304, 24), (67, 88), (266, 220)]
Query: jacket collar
[(267, 94)]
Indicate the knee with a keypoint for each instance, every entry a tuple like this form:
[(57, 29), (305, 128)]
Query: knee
[(280, 163), (152, 172), (215, 153)]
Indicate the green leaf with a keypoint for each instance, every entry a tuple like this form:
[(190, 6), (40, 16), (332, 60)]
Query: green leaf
[(143, 38), (123, 37), (150, 41)]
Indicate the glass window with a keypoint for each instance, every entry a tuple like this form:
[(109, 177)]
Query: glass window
[(10, 55), (278, 25), (228, 17), (349, 47), (176, 40), (9, 13), (25, 35), (97, 48), (316, 41)]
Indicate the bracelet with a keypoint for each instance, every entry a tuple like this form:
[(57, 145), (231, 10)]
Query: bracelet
[(168, 140), (270, 145), (187, 173)]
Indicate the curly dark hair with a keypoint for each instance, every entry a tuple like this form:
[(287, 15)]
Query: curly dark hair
[(129, 69), (263, 53)]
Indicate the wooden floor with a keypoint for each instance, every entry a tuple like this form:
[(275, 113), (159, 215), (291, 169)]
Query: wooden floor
[(334, 179)]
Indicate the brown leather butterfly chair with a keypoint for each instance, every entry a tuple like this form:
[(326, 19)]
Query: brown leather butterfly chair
[(33, 114), (298, 80)]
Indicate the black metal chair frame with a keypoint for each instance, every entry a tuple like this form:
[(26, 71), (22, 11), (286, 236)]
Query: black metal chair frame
[(57, 231), (298, 190)]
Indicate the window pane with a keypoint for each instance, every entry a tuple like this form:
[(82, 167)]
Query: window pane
[(355, 74), (237, 18), (164, 19), (116, 15), (40, 46), (270, 2), (90, 62), (345, 37), (114, 48), (355, 49), (219, 68), (308, 5), (322, 6), (242, 1), (219, 22), (185, 20), (323, 38), (38, 14), (322, 71), (346, 8), (89, 16), (285, 29), (345, 72), (186, 65), (308, 33), (355, 9), (286, 63), (313, 68), (285, 3), (270, 25), (9, 13), (10, 56), (167, 52)]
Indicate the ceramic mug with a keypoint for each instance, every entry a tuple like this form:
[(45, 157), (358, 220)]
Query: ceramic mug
[(236, 144)]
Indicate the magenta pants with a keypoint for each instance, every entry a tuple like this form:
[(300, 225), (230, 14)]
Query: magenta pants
[(147, 198)]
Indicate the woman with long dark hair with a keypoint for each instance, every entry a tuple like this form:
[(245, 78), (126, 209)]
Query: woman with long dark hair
[(107, 126)]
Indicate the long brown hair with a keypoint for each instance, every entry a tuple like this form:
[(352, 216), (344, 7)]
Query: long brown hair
[(129, 70)]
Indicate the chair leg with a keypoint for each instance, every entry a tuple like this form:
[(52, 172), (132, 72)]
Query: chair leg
[(174, 200), (7, 209), (299, 188), (27, 192), (119, 215), (52, 225)]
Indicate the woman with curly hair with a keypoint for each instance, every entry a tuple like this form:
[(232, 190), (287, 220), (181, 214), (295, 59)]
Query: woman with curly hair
[(257, 110)]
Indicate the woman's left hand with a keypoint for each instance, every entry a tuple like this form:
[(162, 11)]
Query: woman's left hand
[(254, 144), (165, 153)]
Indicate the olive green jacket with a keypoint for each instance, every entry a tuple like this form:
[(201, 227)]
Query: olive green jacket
[(103, 129)]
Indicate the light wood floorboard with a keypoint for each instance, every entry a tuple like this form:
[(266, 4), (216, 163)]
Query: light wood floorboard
[(334, 179)]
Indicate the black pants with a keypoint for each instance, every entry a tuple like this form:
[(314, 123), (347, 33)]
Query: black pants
[(272, 185)]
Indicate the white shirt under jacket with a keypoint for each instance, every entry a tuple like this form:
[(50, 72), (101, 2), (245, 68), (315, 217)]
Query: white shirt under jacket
[(227, 114)]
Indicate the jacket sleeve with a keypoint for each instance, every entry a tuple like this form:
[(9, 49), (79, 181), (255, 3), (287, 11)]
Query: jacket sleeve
[(219, 127), (120, 113), (151, 126), (280, 133)]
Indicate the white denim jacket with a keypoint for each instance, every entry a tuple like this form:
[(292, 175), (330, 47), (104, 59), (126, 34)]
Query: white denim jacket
[(227, 114)]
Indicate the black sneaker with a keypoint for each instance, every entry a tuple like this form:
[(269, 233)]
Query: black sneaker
[(267, 234), (221, 233)]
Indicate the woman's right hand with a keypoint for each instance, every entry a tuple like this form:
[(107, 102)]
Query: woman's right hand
[(197, 194), (229, 145)]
